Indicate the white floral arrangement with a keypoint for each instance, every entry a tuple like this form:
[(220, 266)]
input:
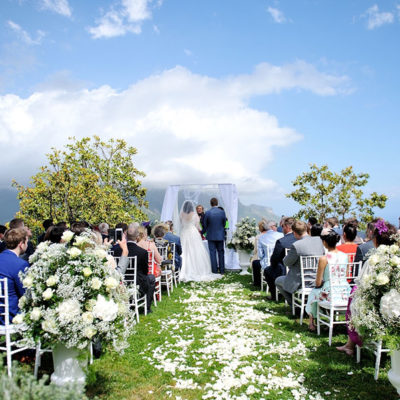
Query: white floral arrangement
[(376, 302), (244, 236), (73, 296)]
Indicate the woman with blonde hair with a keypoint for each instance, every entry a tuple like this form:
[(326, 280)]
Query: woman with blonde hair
[(145, 243)]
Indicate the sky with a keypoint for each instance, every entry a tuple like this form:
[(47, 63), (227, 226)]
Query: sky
[(234, 91)]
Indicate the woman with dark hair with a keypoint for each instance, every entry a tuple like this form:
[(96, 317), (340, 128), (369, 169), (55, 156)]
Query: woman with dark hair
[(316, 229), (333, 257), (54, 234), (382, 235), (349, 235)]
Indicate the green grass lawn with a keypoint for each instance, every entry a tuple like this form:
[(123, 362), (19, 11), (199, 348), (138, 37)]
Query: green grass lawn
[(224, 340)]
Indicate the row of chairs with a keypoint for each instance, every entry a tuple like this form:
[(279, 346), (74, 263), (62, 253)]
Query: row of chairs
[(169, 277), (329, 313)]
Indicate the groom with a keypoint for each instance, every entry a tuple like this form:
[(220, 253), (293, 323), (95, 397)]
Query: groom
[(214, 229)]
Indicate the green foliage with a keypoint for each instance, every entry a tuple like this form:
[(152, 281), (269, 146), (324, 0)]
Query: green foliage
[(89, 180), (24, 386), (323, 193)]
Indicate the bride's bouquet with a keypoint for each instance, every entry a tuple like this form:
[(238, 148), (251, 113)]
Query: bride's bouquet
[(376, 303), (73, 296), (244, 236)]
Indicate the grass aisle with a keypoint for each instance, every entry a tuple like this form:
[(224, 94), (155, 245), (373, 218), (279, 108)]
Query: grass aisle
[(223, 340)]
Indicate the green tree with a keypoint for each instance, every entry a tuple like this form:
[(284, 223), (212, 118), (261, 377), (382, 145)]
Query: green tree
[(323, 193), (89, 180)]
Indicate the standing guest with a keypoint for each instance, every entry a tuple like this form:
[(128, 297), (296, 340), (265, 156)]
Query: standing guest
[(200, 213), (304, 245), (277, 268), (364, 248), (2, 242), (103, 229), (256, 265), (19, 223), (214, 228), (11, 264), (145, 280), (316, 230), (322, 283), (47, 223)]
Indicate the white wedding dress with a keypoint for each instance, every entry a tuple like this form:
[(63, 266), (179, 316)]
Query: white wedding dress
[(196, 265)]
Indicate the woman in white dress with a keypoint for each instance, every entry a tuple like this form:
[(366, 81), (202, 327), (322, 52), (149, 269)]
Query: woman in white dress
[(196, 265)]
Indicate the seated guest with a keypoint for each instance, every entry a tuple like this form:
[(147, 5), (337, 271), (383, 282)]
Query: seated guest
[(2, 242), (333, 223), (143, 241), (311, 221), (322, 283), (145, 280), (316, 230), (54, 234), (349, 246), (166, 230), (383, 234), (364, 248), (19, 223), (353, 221), (265, 245), (11, 264), (277, 268), (304, 245), (78, 227), (47, 223), (103, 229)]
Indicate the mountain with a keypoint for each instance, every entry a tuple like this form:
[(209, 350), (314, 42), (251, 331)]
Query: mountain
[(9, 205)]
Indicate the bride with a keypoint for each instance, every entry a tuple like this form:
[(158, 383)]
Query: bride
[(196, 265)]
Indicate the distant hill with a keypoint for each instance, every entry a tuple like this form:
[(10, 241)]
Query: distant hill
[(9, 205)]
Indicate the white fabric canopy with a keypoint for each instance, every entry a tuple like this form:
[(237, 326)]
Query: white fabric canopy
[(229, 197)]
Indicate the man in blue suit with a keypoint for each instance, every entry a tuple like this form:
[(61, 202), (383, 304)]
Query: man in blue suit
[(11, 265), (214, 230)]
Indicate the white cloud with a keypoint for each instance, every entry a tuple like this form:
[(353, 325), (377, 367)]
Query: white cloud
[(187, 52), (24, 35), (188, 128), (277, 15), (375, 19), (123, 17), (61, 7)]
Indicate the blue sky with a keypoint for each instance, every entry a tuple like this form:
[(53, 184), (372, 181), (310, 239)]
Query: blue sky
[(248, 92)]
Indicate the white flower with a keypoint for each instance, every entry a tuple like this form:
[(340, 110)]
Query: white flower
[(111, 283), (390, 304), (373, 260), (90, 304), (87, 317), (395, 260), (52, 280), (27, 281), (74, 252), (47, 294), (49, 325), (382, 279), (18, 319), (21, 301), (122, 308), (105, 310), (67, 236), (100, 253), (69, 310), (96, 283), (87, 271), (79, 240), (89, 332), (36, 313)]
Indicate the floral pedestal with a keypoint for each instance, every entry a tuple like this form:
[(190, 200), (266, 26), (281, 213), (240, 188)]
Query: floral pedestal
[(68, 366), (394, 372), (244, 261)]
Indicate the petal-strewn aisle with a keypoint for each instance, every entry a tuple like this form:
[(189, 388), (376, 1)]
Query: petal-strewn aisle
[(231, 342), (223, 340)]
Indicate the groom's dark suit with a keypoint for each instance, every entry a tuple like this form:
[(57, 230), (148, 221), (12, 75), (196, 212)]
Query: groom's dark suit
[(214, 229)]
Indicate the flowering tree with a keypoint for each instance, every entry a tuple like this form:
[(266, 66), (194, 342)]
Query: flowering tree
[(323, 193), (90, 180)]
